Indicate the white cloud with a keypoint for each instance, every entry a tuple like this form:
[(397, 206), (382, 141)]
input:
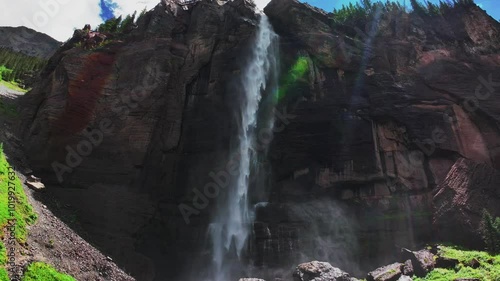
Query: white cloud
[(59, 18), (262, 3), (127, 7)]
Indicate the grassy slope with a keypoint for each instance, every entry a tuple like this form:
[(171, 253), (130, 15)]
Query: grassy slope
[(25, 216), (12, 86), (489, 269), (39, 271)]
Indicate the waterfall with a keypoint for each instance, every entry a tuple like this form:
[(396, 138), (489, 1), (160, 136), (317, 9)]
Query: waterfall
[(232, 223)]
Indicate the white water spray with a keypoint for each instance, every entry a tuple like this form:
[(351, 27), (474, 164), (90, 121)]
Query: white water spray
[(232, 225)]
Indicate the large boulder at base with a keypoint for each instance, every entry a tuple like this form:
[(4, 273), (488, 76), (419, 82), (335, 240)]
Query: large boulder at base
[(390, 272), (423, 261), (319, 271), (444, 262), (405, 278)]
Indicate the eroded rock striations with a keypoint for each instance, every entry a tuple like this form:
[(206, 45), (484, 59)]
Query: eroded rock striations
[(373, 120)]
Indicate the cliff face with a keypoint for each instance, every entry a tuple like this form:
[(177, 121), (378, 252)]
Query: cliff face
[(141, 120), (371, 123), (386, 117), (28, 41)]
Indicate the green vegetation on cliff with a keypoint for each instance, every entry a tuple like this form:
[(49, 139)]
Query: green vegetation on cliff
[(487, 269), (365, 10), (120, 25)]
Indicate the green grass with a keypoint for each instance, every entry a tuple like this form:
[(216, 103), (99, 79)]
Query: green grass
[(4, 276), (13, 86), (489, 269), (40, 271), (3, 254), (23, 212)]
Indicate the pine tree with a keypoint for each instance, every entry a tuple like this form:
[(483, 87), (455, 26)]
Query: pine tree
[(490, 230), (20, 65)]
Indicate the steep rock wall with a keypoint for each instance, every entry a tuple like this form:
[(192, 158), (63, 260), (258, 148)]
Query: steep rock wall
[(124, 132), (385, 111)]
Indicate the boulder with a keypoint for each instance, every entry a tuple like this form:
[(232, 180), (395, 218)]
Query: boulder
[(444, 262), (390, 272), (251, 279), (34, 183), (405, 278), (408, 268), (319, 271), (474, 263), (423, 261)]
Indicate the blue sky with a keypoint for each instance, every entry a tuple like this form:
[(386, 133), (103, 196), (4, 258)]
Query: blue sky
[(108, 8), (491, 6), (59, 18)]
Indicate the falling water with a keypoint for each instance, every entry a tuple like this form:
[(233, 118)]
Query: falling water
[(232, 224)]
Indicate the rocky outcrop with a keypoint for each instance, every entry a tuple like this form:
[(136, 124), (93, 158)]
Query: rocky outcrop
[(390, 272), (28, 41), (408, 268), (319, 271), (422, 261), (468, 189)]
